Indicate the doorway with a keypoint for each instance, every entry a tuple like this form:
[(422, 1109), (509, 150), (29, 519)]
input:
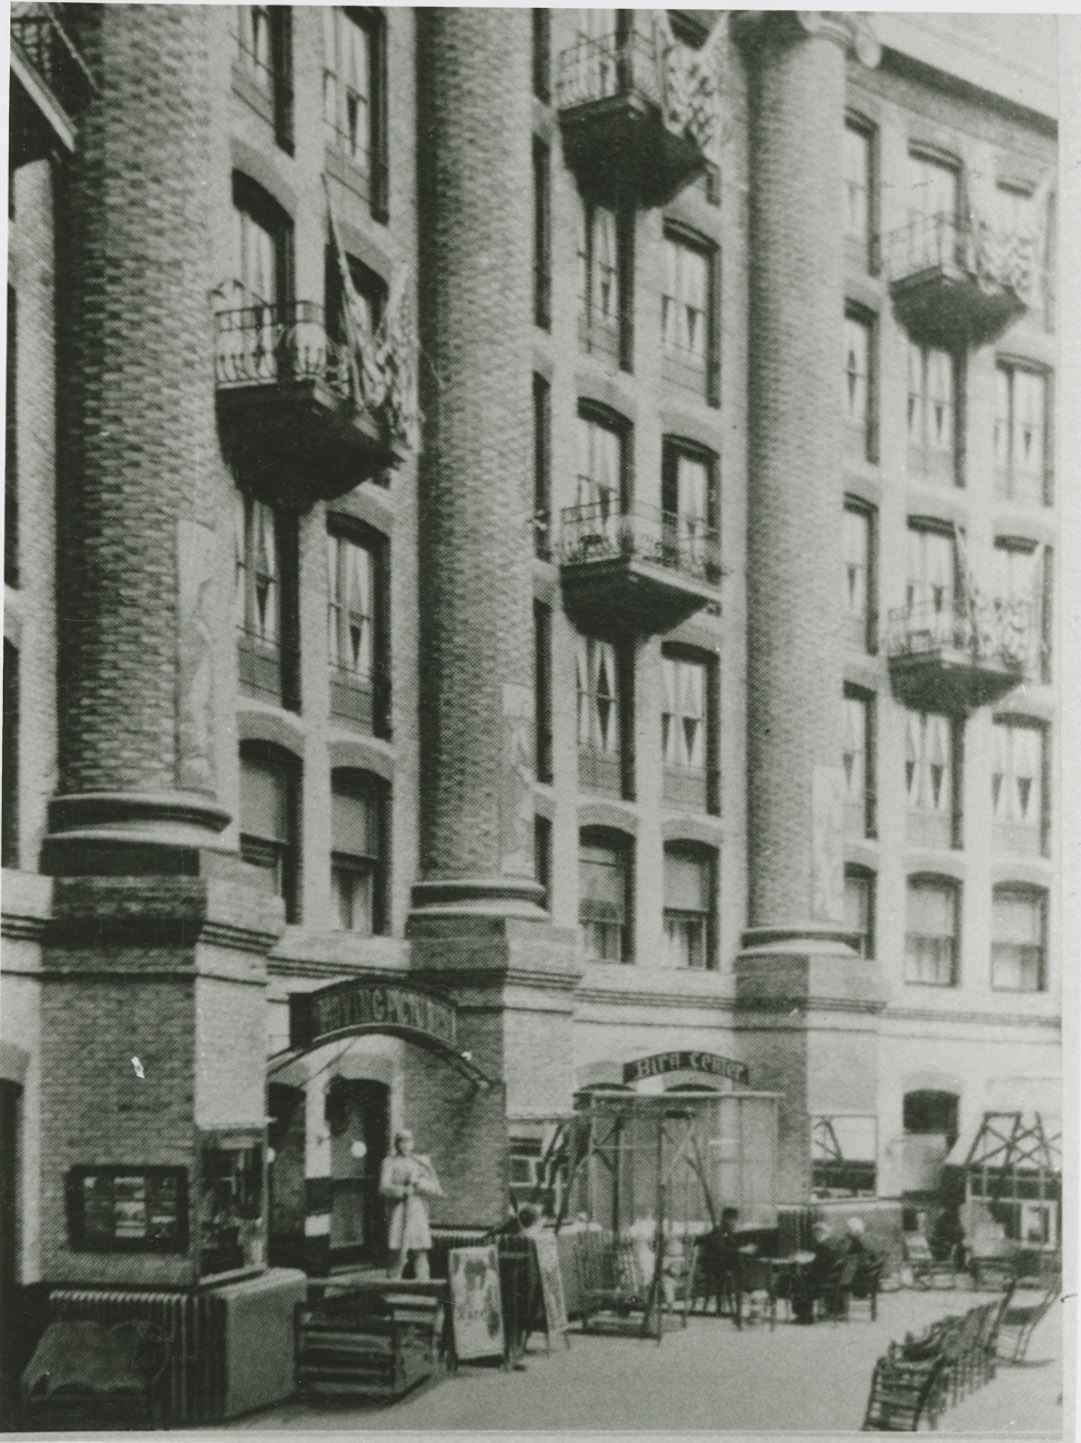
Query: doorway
[(358, 1121)]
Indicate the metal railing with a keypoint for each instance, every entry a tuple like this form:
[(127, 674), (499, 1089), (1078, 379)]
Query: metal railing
[(991, 254), (591, 70), (269, 345), (1001, 631), (597, 532), (49, 49)]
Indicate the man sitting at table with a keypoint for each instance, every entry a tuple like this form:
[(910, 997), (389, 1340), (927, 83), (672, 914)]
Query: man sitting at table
[(819, 1278), (860, 1263)]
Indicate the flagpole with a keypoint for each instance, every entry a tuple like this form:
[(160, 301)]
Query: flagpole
[(352, 340)]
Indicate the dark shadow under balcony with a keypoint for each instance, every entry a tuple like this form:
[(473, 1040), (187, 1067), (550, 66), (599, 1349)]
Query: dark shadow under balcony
[(960, 283), (51, 84), (287, 403), (953, 660), (640, 572), (623, 133)]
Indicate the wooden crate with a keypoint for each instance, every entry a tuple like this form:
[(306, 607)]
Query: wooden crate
[(367, 1344)]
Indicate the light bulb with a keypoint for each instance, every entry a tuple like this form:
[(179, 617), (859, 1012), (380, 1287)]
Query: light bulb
[(358, 1150)]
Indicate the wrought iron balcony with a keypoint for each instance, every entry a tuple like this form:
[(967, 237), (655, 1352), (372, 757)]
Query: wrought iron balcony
[(51, 83), (289, 405), (961, 282), (634, 116), (642, 571), (955, 658)]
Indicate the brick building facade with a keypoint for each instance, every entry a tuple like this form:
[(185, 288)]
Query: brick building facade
[(686, 685)]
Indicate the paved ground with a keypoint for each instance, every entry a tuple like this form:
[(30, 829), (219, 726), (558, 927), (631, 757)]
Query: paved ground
[(708, 1377)]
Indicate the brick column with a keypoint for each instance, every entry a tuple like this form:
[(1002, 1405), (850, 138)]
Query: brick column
[(801, 993), (137, 593), (475, 545)]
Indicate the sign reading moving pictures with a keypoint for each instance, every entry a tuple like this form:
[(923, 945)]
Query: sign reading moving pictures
[(345, 1006), (476, 1308), (121, 1209), (707, 1063)]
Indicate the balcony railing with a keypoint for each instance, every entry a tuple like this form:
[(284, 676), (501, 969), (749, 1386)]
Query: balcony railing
[(265, 345), (956, 279), (595, 532), (38, 33), (593, 70), (962, 655)]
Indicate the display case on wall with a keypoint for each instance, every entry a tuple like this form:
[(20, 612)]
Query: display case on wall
[(128, 1209), (231, 1232)]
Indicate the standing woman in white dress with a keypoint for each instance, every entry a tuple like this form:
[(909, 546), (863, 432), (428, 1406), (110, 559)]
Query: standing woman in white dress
[(409, 1178)]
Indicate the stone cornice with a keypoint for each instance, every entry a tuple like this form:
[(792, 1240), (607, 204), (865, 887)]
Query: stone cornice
[(972, 1019), (850, 29)]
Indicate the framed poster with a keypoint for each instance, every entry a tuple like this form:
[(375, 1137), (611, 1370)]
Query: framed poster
[(128, 1209), (475, 1307), (551, 1279)]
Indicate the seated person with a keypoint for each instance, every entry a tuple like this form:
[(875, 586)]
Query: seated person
[(819, 1278), (947, 1240), (861, 1264)]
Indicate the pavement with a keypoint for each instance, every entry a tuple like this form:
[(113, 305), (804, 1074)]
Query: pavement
[(705, 1377)]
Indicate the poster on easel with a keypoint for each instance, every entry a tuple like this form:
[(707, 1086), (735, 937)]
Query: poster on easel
[(475, 1304), (551, 1281)]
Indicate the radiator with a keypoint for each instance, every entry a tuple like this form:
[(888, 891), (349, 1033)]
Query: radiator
[(190, 1389)]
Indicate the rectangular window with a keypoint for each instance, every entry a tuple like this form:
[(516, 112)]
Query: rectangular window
[(931, 938), (542, 689), (1019, 788), (9, 822), (858, 159), (603, 717), (688, 909), (542, 54), (600, 483), (605, 282), (604, 883), (264, 603), (356, 650), (357, 870), (932, 779), (931, 585), (542, 467), (689, 324), (1022, 452), (354, 99), (859, 763), (689, 744), (1022, 601), (860, 908), (542, 858), (934, 199), (691, 537), (1018, 939), (268, 824), (542, 235), (857, 544), (859, 384), (933, 414), (263, 74)]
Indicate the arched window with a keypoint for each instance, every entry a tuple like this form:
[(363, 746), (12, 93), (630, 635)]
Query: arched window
[(1018, 938), (358, 872), (932, 931), (605, 902), (690, 881), (269, 818)]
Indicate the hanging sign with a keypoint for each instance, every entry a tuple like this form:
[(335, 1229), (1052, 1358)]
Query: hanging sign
[(350, 1006), (705, 1062)]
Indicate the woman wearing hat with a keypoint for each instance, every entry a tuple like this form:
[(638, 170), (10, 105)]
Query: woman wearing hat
[(408, 1178)]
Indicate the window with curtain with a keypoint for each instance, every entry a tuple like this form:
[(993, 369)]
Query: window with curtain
[(264, 58), (1018, 785), (264, 607), (1021, 449), (931, 581), (857, 160), (689, 504), (932, 412), (687, 315), (269, 831), (596, 60), (858, 761), (858, 382), (934, 197), (600, 715), (931, 787), (857, 532), (604, 888), (931, 932), (260, 245), (353, 100), (600, 479), (860, 908), (1018, 939), (688, 906), (603, 281), (355, 644), (357, 867)]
